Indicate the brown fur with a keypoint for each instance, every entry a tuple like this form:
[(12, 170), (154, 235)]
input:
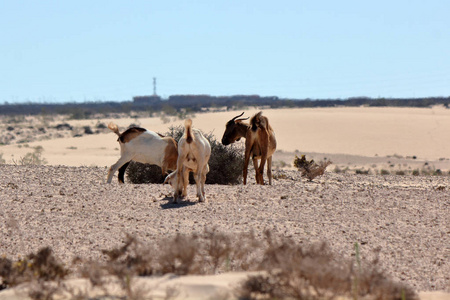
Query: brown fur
[(259, 121), (170, 155), (260, 143), (188, 131), (128, 134), (114, 128)]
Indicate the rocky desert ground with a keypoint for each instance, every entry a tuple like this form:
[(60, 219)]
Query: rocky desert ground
[(71, 208)]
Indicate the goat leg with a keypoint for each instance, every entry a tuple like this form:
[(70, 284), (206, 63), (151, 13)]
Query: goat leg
[(269, 169), (248, 147)]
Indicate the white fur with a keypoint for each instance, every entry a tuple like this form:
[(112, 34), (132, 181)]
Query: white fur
[(148, 147), (192, 157)]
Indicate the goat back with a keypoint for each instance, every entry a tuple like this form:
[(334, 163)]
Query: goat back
[(259, 121)]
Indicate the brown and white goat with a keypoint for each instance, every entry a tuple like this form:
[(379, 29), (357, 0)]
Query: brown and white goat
[(260, 143), (144, 146), (194, 151)]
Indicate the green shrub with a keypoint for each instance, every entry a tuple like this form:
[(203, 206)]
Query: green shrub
[(225, 163)]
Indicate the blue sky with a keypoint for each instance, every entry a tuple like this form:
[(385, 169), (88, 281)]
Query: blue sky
[(75, 51)]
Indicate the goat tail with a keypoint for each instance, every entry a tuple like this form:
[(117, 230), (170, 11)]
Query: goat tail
[(114, 128), (188, 131)]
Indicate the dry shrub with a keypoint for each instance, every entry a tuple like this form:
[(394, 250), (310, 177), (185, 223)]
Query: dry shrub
[(218, 247), (313, 272), (32, 158), (292, 270), (368, 279), (123, 263), (225, 163), (140, 173), (224, 252), (310, 169), (205, 253), (41, 270), (178, 255), (40, 266), (300, 272)]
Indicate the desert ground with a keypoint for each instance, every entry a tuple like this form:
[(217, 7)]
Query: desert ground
[(360, 137), (66, 204)]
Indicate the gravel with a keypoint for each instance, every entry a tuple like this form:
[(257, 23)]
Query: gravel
[(74, 211)]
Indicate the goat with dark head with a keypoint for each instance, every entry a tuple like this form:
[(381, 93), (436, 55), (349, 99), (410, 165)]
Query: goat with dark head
[(260, 143), (234, 130)]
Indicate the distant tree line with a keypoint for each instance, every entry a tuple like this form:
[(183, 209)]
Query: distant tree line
[(195, 103)]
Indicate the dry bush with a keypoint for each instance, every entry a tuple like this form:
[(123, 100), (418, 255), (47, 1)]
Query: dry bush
[(204, 253), (140, 173), (41, 270), (310, 169), (40, 266), (291, 270), (32, 158), (123, 263), (179, 255), (225, 164), (224, 252), (313, 272), (294, 271)]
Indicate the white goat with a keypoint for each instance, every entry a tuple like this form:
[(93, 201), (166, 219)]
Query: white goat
[(194, 151), (144, 146)]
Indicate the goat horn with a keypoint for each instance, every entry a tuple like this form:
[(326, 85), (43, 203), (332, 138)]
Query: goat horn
[(237, 117), (242, 119)]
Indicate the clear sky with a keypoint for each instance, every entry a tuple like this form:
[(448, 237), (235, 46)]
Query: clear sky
[(75, 51)]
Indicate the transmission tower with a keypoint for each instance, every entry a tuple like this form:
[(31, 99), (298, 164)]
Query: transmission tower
[(154, 86)]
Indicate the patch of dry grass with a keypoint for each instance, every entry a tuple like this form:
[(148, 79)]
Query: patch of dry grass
[(313, 272), (292, 270)]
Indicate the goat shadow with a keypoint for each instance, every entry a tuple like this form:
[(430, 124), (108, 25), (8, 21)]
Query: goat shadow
[(184, 203)]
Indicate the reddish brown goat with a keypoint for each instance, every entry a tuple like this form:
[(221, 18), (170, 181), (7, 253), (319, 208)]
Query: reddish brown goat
[(260, 143)]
